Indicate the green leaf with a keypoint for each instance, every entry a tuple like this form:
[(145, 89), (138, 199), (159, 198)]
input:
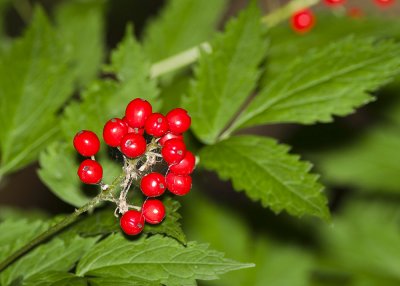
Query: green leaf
[(54, 278), (112, 281), (225, 78), (267, 173), (333, 80), (35, 81), (370, 164), (81, 27), (156, 259), (57, 255), (181, 25)]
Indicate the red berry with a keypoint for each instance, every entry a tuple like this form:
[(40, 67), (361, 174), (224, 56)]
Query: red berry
[(132, 222), (178, 120), (384, 3), (178, 184), (303, 21), (186, 166), (137, 112), (173, 151), (153, 211), (153, 184), (136, 130), (113, 131), (156, 125), (334, 2), (90, 172), (133, 145), (86, 143), (169, 136)]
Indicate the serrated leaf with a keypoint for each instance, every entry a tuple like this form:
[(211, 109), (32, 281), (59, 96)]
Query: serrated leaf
[(333, 80), (165, 36), (370, 164), (35, 82), (81, 27), (56, 255), (54, 278), (155, 259), (225, 78), (267, 173)]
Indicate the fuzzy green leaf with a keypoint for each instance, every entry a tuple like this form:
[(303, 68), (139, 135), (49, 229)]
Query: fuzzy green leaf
[(166, 36), (57, 255), (54, 278), (156, 259), (333, 80), (81, 27), (225, 78), (370, 164), (267, 173), (35, 81)]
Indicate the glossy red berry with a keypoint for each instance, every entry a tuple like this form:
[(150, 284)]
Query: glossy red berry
[(334, 2), (132, 222), (156, 125), (303, 21), (173, 151), (384, 3), (153, 184), (137, 112), (133, 145), (113, 131), (178, 120), (135, 130), (178, 184), (86, 143), (90, 172), (153, 211), (169, 136), (185, 166)]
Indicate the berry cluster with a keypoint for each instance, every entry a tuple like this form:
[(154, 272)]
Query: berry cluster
[(144, 138)]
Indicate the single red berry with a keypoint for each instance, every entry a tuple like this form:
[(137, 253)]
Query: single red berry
[(132, 222), (178, 184), (303, 21), (185, 166), (153, 211), (90, 172), (156, 125), (133, 145), (169, 136), (113, 131), (178, 120), (137, 112), (86, 143), (384, 3), (334, 2), (153, 184), (173, 151)]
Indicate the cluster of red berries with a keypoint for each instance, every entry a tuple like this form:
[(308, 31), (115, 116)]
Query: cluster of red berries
[(129, 135), (304, 20)]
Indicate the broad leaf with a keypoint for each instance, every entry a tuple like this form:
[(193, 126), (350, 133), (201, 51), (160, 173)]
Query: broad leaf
[(267, 173), (226, 77), (112, 281), (181, 25), (57, 255), (35, 81), (156, 259), (54, 278), (333, 80)]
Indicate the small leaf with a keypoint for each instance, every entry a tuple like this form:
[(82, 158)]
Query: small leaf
[(266, 172), (54, 278), (225, 78), (328, 81), (156, 259), (165, 36)]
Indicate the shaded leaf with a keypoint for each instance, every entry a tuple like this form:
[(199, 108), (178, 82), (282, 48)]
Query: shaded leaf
[(54, 278)]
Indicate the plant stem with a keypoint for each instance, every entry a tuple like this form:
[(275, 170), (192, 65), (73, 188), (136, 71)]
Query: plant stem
[(63, 223), (191, 55)]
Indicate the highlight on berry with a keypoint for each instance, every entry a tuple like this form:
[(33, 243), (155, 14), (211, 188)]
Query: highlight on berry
[(154, 155)]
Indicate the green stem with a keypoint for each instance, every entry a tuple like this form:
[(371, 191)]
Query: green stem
[(62, 224)]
